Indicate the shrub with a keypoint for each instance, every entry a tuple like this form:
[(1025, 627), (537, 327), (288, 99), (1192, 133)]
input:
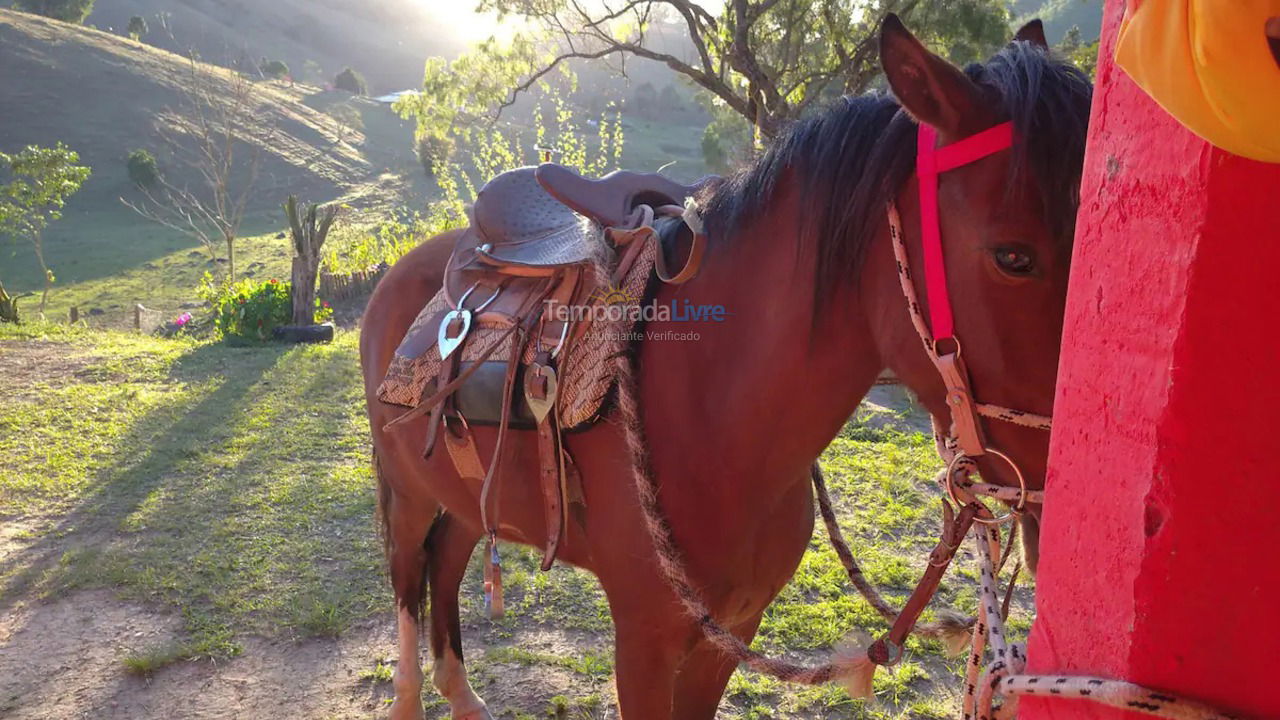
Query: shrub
[(358, 249), (137, 27), (143, 170), (433, 152), (274, 69), (246, 309), (351, 81), (72, 11)]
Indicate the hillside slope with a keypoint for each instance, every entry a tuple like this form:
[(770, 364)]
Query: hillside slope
[(104, 96), (386, 40)]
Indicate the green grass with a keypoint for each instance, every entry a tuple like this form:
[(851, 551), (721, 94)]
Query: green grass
[(232, 486)]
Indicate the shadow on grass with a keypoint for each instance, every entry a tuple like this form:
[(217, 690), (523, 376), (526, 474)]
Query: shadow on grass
[(247, 504)]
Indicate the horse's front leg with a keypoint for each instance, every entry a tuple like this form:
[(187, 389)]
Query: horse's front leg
[(645, 663), (449, 549)]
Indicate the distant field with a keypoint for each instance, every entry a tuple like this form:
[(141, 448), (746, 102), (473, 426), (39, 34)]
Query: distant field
[(205, 513)]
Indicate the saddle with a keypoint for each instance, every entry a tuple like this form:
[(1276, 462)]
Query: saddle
[(524, 331)]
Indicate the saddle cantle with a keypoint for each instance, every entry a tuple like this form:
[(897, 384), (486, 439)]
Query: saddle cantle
[(520, 224), (510, 340)]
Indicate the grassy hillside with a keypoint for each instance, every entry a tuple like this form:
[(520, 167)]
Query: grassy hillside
[(216, 503), (104, 96), (386, 40)]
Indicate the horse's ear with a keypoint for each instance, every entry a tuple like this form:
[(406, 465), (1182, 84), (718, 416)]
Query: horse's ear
[(933, 90), (1032, 32)]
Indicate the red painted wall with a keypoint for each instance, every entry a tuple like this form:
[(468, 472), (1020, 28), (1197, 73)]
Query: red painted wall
[(1161, 536)]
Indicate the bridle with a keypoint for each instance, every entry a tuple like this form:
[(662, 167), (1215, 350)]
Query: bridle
[(965, 439)]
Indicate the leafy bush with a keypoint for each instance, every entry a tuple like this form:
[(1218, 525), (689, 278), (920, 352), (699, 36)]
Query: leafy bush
[(434, 151), (357, 249), (143, 170), (247, 309), (137, 27), (72, 11), (351, 81), (274, 69), (726, 142)]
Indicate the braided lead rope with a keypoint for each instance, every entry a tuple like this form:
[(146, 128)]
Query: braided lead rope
[(1017, 417), (1116, 693), (1005, 674)]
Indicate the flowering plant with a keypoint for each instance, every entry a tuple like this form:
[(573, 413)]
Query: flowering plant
[(324, 311), (247, 309)]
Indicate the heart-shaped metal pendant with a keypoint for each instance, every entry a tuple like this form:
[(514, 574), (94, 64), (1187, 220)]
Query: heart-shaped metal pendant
[(446, 344), (540, 390)]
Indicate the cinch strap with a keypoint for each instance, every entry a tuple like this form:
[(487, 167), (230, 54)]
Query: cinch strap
[(930, 161)]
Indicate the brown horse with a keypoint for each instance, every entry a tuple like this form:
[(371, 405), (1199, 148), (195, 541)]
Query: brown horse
[(800, 256)]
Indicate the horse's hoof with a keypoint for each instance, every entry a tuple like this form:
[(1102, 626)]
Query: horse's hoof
[(407, 710)]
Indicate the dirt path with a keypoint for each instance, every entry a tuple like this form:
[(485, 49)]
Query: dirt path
[(65, 659)]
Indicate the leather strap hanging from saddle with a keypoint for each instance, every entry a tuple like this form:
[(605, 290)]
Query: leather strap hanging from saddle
[(540, 389)]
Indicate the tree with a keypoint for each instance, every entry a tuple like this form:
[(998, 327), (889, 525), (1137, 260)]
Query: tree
[(351, 81), (9, 305), (434, 152), (1074, 48), (726, 141), (38, 182), (645, 101), (137, 27), (308, 228), (767, 60), (217, 134), (346, 119), (72, 11), (274, 69), (143, 170)]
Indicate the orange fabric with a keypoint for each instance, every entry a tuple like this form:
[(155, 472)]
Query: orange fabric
[(1208, 63)]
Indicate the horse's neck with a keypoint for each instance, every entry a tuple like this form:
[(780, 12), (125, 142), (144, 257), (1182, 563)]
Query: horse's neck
[(764, 390)]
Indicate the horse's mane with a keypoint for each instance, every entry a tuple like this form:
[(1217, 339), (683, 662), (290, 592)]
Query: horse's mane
[(852, 157)]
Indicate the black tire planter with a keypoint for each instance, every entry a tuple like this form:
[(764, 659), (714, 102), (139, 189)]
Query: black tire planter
[(304, 333)]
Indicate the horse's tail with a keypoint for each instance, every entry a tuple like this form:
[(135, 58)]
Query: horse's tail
[(855, 671), (383, 513)]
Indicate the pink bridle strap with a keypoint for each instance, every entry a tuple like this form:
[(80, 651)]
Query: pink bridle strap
[(930, 162)]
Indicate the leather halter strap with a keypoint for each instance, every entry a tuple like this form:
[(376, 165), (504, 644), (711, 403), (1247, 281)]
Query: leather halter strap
[(930, 162), (966, 412)]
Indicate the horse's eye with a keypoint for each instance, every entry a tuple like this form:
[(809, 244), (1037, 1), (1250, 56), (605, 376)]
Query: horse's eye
[(1014, 261)]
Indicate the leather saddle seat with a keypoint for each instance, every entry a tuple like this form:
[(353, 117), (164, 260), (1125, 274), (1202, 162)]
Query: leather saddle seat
[(550, 216)]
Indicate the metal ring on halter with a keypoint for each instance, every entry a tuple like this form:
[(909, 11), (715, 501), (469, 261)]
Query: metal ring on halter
[(933, 345), (1022, 486)]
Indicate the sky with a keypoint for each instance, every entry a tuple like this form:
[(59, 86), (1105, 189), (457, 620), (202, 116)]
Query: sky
[(459, 19)]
